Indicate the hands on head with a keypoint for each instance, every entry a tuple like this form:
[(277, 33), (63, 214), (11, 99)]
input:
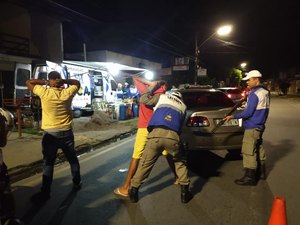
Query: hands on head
[(152, 83), (56, 83)]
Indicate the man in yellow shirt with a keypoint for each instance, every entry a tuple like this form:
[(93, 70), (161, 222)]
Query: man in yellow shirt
[(57, 125)]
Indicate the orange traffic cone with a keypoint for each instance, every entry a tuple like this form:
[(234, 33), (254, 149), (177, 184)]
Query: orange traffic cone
[(278, 214)]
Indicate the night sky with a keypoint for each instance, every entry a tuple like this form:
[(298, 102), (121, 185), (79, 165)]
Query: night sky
[(265, 33)]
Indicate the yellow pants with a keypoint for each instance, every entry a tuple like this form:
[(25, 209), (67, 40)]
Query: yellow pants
[(140, 142)]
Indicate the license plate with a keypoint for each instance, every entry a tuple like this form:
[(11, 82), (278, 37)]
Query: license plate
[(232, 122)]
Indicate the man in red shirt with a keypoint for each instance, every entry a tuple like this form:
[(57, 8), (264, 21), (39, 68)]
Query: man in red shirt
[(145, 113)]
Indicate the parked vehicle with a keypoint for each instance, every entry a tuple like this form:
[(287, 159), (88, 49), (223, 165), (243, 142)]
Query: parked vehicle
[(233, 93), (205, 109), (14, 71), (14, 95), (246, 91)]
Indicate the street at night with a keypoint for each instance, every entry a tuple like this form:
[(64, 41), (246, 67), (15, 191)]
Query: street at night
[(101, 87), (217, 200)]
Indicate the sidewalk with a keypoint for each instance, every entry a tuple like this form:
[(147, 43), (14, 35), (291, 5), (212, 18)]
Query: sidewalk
[(23, 155)]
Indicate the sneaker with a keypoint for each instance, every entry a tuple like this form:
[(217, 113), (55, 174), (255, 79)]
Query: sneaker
[(40, 198), (77, 187)]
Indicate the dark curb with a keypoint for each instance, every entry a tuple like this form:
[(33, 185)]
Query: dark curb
[(24, 171)]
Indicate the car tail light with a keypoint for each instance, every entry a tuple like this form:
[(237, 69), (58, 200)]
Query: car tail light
[(229, 95), (197, 121)]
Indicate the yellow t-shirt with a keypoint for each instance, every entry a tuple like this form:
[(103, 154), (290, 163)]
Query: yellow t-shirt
[(56, 106)]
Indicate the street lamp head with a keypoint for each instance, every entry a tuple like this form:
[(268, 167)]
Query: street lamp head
[(224, 30), (243, 65)]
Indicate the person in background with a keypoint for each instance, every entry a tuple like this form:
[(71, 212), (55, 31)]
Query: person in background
[(57, 125), (7, 201), (145, 113), (164, 130), (126, 91), (254, 118), (133, 91), (120, 91)]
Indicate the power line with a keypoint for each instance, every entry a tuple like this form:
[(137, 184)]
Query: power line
[(176, 52), (75, 12)]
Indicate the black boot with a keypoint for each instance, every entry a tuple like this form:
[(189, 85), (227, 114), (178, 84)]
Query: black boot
[(134, 194), (262, 170), (263, 174), (186, 195), (249, 179)]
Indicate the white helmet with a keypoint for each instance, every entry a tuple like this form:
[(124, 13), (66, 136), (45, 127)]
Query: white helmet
[(177, 94)]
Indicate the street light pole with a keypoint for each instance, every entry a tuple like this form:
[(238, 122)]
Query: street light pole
[(196, 58), (222, 31), (197, 51)]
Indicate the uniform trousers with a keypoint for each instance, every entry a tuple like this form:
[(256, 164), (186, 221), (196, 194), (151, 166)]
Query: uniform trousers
[(160, 139), (252, 148)]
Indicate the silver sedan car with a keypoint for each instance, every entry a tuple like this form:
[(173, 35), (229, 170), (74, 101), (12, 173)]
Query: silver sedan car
[(205, 109)]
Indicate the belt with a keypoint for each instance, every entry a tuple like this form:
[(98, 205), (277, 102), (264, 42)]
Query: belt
[(62, 132)]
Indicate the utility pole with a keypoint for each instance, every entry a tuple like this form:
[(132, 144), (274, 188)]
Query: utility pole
[(196, 59), (84, 52)]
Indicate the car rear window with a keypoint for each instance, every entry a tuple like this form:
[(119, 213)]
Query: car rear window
[(206, 99)]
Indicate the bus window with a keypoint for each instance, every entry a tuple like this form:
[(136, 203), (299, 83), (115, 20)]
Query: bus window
[(42, 76), (114, 85)]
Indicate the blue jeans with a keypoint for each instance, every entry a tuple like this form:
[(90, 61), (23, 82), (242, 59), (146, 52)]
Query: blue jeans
[(51, 142)]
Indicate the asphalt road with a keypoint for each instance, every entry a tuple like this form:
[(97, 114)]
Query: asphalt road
[(217, 200), (282, 144)]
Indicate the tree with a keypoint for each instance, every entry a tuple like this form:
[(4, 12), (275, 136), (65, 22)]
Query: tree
[(235, 77), (284, 86), (205, 80)]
